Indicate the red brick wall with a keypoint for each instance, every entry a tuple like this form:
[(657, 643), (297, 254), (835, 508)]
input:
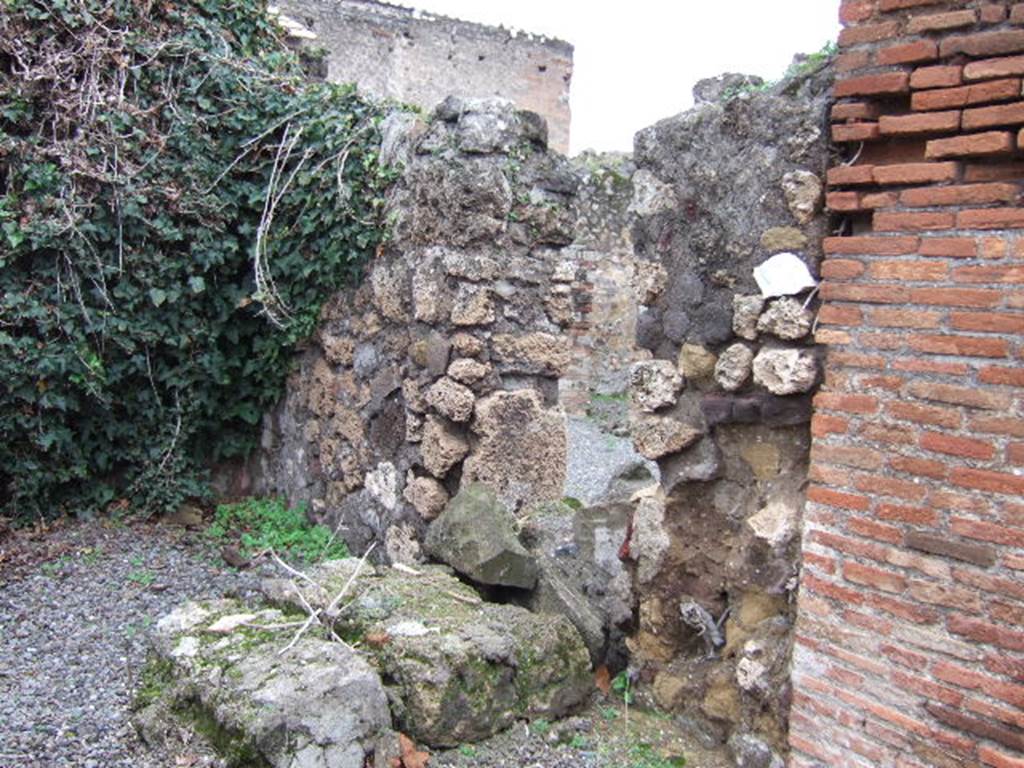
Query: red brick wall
[(910, 637)]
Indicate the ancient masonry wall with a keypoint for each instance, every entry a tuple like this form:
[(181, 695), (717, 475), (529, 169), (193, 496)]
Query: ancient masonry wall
[(657, 485), (910, 647), (608, 288), (421, 58), (442, 368), (719, 191)]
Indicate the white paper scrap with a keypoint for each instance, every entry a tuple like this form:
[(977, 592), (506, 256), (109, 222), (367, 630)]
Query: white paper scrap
[(784, 274)]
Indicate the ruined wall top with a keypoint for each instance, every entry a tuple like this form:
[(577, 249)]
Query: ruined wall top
[(421, 58)]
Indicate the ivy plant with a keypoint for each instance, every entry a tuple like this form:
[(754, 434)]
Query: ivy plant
[(177, 201)]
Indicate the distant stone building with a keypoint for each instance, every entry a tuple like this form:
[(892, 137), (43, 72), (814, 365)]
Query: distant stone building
[(421, 58)]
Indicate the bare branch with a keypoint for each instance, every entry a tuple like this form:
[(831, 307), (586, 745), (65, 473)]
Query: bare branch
[(331, 611)]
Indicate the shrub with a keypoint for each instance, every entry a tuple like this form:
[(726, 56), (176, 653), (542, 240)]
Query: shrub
[(176, 203)]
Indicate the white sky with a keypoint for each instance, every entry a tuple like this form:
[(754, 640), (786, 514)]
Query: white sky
[(636, 61)]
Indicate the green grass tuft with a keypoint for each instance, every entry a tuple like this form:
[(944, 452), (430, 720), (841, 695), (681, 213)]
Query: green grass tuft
[(261, 524)]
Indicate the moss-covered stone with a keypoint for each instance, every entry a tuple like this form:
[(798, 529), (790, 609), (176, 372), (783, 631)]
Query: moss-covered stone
[(154, 680), (476, 535), (233, 745), (460, 669), (221, 670)]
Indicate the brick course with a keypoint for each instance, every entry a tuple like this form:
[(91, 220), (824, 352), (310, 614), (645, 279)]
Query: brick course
[(910, 631)]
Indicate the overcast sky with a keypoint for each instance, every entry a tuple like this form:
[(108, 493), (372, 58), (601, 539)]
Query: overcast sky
[(636, 61)]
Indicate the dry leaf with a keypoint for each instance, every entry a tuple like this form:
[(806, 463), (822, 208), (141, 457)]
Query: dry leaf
[(603, 679), (377, 639), (411, 757)]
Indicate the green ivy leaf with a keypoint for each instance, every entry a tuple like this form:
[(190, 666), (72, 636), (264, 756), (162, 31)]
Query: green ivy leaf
[(15, 236), (157, 296)]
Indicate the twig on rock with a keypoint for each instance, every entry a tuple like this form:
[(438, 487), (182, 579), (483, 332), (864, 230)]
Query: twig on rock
[(464, 598), (292, 571), (272, 627), (331, 611), (298, 635)]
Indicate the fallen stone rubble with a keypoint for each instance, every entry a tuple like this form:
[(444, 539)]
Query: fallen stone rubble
[(412, 650)]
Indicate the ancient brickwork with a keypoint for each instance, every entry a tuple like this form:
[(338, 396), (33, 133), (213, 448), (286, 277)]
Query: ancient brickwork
[(607, 292), (910, 648), (421, 58)]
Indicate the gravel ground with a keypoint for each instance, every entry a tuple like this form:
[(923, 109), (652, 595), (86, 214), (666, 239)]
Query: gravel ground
[(75, 605), (599, 460), (600, 737)]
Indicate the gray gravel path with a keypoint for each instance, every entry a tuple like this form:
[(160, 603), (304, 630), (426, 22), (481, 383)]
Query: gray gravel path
[(74, 608), (602, 465)]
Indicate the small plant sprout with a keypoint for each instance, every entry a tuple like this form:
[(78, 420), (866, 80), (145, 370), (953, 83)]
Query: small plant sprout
[(622, 684), (142, 577)]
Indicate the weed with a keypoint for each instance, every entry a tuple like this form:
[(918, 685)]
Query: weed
[(578, 741), (54, 567), (811, 61), (609, 713), (614, 397), (90, 556), (262, 524), (142, 577), (467, 750), (802, 65), (733, 91), (540, 726), (572, 503), (621, 685), (643, 755)]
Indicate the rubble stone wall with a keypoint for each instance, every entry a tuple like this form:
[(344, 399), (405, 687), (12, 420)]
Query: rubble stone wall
[(723, 402), (442, 367), (910, 650), (421, 58)]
